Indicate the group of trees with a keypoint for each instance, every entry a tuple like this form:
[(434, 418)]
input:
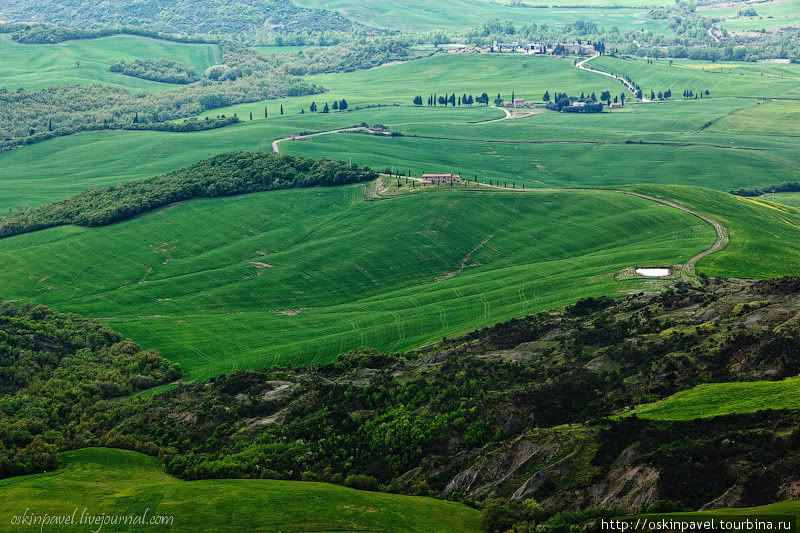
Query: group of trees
[(57, 373), (452, 100), (585, 103), (31, 116), (784, 187), (163, 70), (338, 105), (222, 175), (688, 93)]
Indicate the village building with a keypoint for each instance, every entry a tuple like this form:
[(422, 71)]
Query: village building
[(614, 105)]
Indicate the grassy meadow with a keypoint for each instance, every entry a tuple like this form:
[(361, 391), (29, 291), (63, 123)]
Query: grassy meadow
[(36, 66), (303, 275), (119, 483), (716, 399)]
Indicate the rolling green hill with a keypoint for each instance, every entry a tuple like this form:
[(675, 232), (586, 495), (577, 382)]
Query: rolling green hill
[(118, 483), (303, 275), (556, 164), (55, 169), (35, 66)]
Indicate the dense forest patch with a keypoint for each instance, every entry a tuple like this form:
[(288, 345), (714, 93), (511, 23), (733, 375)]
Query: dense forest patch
[(163, 70)]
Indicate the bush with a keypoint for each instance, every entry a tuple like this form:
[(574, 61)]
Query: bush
[(361, 482)]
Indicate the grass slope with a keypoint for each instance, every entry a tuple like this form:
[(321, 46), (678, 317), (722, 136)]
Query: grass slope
[(117, 482), (763, 234), (738, 79), (715, 399), (303, 275), (35, 66)]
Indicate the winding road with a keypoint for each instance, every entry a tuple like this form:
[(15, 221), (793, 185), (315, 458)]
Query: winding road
[(626, 83)]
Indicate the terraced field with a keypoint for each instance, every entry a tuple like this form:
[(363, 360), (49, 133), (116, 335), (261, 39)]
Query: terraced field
[(120, 483), (35, 66), (303, 275)]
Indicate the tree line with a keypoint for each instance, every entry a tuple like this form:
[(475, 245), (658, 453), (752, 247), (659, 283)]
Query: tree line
[(222, 175), (452, 100)]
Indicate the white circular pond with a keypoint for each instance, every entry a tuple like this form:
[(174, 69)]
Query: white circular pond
[(655, 272)]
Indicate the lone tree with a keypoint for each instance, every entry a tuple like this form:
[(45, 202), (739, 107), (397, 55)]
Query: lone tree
[(281, 109), (251, 115), (326, 109), (336, 105), (313, 107), (343, 105), (265, 111)]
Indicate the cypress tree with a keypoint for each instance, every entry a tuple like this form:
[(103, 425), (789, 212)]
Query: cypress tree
[(281, 109)]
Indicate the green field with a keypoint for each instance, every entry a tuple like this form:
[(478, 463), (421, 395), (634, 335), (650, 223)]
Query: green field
[(775, 118), (736, 79), (791, 199), (419, 15), (35, 66), (554, 164), (304, 275), (715, 399), (120, 483)]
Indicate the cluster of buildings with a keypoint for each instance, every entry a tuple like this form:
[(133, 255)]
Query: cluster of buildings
[(520, 103), (534, 49)]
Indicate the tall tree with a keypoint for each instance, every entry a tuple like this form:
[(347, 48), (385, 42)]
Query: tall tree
[(326, 109), (343, 104), (281, 109), (265, 111), (336, 105), (313, 107), (546, 97)]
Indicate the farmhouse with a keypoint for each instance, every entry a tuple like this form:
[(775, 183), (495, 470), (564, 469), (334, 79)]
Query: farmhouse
[(614, 105), (436, 179)]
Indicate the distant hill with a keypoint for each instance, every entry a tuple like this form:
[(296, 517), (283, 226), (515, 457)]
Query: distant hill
[(178, 16)]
